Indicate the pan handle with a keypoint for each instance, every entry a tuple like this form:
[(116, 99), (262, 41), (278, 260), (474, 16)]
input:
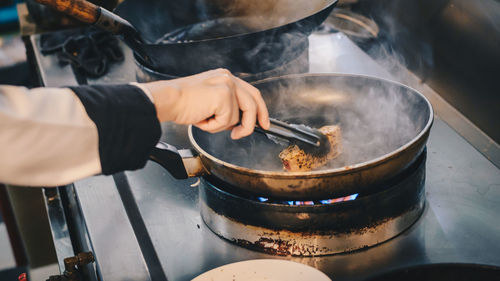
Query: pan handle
[(87, 12), (79, 9), (181, 164), (119, 26)]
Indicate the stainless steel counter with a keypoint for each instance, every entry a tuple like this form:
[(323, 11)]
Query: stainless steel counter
[(145, 225)]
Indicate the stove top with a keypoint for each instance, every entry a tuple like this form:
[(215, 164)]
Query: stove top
[(145, 225)]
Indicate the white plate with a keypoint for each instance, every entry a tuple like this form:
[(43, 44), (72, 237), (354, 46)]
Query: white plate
[(263, 270)]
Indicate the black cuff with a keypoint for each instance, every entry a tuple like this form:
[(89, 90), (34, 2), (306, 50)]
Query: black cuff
[(126, 123)]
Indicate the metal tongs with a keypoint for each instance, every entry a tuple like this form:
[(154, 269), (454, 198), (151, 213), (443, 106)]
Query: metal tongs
[(308, 139)]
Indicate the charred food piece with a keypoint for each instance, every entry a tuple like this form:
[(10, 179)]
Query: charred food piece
[(295, 159)]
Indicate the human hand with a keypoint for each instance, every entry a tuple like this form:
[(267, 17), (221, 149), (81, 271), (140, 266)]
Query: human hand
[(212, 101)]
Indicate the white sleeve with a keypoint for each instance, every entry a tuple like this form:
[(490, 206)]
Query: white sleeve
[(46, 137)]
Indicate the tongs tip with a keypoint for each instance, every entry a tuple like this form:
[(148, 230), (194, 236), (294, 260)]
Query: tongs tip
[(321, 147), (312, 141)]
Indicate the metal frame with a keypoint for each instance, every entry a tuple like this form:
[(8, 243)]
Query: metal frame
[(67, 228), (120, 250)]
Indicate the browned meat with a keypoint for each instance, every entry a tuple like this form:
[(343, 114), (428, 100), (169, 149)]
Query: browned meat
[(295, 159)]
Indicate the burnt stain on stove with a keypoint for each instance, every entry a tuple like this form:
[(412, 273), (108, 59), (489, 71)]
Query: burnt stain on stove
[(288, 247), (271, 243), (280, 247)]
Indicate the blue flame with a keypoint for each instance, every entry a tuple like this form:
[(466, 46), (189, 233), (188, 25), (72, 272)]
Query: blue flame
[(311, 203)]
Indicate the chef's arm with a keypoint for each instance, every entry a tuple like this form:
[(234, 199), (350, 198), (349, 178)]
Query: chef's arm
[(52, 136)]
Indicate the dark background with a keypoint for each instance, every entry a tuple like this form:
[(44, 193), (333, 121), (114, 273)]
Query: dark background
[(452, 45)]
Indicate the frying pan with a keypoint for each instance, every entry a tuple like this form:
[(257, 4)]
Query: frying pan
[(246, 36), (385, 126)]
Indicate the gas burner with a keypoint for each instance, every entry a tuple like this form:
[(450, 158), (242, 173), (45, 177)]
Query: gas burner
[(315, 228), (309, 203)]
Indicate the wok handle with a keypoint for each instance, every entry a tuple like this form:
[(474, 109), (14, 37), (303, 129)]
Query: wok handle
[(79, 9), (181, 164), (89, 13)]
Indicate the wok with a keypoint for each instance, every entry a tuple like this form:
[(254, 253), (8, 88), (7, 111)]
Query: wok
[(384, 124), (246, 36)]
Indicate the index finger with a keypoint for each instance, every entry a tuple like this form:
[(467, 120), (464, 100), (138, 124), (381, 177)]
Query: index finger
[(262, 112)]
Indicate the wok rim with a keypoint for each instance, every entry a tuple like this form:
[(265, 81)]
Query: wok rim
[(329, 5), (322, 173)]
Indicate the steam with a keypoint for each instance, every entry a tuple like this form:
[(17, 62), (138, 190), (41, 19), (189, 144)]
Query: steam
[(375, 125), (375, 119), (264, 14), (490, 11)]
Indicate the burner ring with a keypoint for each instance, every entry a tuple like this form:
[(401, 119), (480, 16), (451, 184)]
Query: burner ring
[(306, 230)]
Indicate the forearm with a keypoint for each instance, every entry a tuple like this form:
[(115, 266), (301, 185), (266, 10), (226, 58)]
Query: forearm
[(46, 137), (127, 124), (56, 136)]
